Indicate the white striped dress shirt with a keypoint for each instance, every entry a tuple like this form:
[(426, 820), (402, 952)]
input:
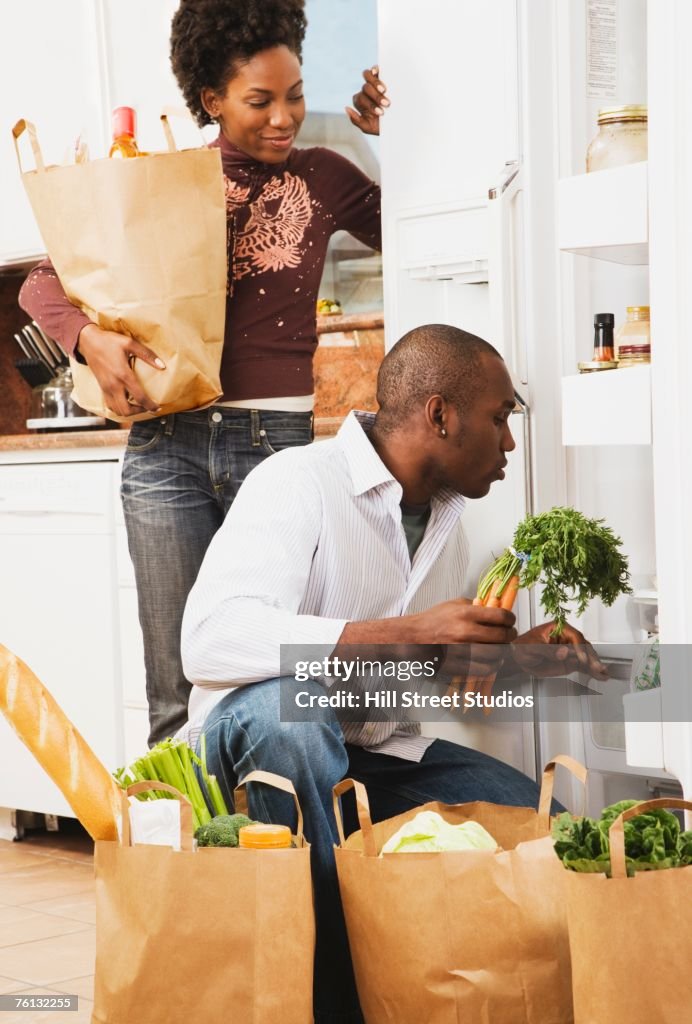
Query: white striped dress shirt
[(314, 540)]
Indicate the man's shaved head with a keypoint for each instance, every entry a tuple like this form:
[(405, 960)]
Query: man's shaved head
[(435, 359)]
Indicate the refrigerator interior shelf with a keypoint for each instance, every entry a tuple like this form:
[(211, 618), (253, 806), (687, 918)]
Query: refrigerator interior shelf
[(608, 408), (605, 214)]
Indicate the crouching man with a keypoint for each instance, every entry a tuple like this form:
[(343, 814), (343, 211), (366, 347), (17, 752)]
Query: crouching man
[(357, 540)]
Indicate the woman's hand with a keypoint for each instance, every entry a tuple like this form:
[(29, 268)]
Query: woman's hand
[(110, 357), (369, 103)]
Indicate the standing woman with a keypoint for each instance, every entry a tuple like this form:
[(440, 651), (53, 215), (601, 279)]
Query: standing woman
[(237, 64)]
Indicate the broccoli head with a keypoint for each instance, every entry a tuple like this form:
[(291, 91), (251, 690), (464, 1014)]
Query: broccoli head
[(222, 830)]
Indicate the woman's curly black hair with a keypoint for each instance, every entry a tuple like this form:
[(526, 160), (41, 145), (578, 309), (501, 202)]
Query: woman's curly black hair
[(210, 37)]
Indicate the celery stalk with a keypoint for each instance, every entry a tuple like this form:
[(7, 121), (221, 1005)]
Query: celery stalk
[(214, 794)]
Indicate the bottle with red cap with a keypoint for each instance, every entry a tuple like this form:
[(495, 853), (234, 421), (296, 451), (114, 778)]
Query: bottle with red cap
[(124, 131)]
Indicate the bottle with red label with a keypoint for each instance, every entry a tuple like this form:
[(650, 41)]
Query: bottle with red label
[(124, 133)]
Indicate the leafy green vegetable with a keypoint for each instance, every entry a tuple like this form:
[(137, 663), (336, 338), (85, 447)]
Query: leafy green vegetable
[(428, 832), (574, 558), (222, 830), (653, 840)]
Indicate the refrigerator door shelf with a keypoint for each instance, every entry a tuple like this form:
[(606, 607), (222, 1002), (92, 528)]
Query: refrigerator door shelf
[(612, 407), (605, 214), (644, 729)]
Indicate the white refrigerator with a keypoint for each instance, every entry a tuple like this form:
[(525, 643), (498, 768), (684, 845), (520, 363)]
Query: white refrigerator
[(491, 224)]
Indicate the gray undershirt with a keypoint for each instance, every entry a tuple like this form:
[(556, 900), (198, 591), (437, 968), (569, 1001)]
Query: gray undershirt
[(414, 519)]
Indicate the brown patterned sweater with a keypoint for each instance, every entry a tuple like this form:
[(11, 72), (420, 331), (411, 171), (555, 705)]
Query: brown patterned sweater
[(280, 219)]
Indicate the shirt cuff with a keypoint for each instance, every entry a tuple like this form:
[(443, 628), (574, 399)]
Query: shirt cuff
[(312, 629), (72, 324)]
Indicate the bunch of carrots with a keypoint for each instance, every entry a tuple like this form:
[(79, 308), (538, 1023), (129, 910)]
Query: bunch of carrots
[(574, 558), (498, 588)]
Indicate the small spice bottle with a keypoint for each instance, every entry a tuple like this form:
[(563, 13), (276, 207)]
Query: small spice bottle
[(265, 837), (603, 344)]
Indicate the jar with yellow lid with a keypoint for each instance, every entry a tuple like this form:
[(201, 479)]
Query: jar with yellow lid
[(622, 138), (265, 837), (633, 337)]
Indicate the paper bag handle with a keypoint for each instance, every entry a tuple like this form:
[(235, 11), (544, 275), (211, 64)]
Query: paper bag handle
[(18, 130), (168, 131), (270, 779), (185, 810), (548, 782), (616, 835), (363, 809)]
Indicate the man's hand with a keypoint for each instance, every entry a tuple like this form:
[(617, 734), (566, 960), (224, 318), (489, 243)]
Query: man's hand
[(461, 622), (541, 654), (478, 637), (369, 103), (110, 356)]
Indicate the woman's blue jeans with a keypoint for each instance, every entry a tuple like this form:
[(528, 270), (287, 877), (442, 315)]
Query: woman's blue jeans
[(244, 732), (180, 476)]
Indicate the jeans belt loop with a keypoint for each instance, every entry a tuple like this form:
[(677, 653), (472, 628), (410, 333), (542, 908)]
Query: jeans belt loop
[(255, 428), (169, 424)]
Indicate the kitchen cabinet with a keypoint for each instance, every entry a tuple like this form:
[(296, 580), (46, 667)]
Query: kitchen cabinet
[(64, 66), (59, 40), (68, 608)]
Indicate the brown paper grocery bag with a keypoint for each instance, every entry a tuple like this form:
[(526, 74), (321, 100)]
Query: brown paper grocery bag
[(440, 938), (631, 938), (140, 246), (214, 935)]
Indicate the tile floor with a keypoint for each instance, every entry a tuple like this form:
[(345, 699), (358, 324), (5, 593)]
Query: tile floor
[(47, 922)]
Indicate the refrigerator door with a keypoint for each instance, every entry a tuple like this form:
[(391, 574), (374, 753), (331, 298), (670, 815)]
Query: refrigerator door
[(450, 136), (452, 127)]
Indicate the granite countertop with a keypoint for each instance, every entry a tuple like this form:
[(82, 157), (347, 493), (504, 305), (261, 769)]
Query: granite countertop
[(325, 426), (349, 322)]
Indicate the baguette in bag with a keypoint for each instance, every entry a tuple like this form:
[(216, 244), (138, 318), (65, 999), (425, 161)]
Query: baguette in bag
[(43, 726)]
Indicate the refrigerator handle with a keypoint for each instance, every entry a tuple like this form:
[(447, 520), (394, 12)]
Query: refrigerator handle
[(502, 245)]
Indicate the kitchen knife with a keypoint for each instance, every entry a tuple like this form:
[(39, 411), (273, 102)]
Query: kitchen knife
[(42, 349), (55, 347), (29, 354), (33, 350)]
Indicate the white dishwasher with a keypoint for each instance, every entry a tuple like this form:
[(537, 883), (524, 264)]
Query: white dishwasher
[(59, 611)]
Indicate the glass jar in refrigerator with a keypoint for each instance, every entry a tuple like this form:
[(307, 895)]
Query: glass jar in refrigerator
[(622, 138), (633, 337)]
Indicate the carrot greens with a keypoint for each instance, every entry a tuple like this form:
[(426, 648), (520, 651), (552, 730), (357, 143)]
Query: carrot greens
[(574, 558)]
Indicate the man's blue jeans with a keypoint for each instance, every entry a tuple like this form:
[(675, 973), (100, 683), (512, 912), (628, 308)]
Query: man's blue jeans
[(180, 476), (244, 732)]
